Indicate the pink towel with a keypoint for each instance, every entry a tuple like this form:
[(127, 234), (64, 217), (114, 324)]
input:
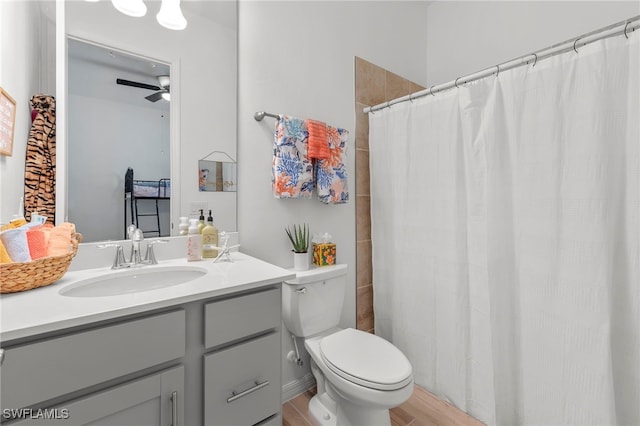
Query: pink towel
[(318, 142), (37, 242), (60, 240)]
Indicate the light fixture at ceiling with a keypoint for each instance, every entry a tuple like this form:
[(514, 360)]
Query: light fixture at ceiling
[(170, 15), (166, 96), (135, 8)]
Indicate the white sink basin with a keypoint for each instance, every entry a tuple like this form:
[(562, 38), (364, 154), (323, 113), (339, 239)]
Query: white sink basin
[(133, 281)]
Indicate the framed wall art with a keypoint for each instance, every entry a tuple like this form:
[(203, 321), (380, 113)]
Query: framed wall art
[(7, 122)]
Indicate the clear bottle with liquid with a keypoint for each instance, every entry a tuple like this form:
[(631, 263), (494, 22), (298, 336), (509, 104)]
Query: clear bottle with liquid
[(209, 239)]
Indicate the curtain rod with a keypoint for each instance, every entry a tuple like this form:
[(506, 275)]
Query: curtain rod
[(620, 28)]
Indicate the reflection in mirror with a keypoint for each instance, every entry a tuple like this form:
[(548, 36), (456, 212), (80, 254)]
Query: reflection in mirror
[(203, 77), (217, 176), (118, 119), (217, 173)]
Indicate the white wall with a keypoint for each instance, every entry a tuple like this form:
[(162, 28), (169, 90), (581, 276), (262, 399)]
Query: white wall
[(205, 81), (467, 36), (298, 58), (20, 69)]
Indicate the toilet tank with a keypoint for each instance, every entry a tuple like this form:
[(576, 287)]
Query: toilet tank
[(312, 302)]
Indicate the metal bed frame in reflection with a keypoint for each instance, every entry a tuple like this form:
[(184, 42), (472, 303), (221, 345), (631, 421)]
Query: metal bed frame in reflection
[(144, 190)]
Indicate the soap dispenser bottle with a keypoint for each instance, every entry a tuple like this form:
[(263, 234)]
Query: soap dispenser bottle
[(201, 223), (194, 242), (183, 226), (209, 239)]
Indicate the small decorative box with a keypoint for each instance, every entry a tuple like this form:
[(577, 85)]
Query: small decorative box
[(324, 254)]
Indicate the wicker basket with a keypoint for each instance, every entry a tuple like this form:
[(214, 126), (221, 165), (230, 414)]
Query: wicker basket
[(21, 276)]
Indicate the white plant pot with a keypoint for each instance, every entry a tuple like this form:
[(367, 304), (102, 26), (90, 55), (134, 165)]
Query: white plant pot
[(300, 261)]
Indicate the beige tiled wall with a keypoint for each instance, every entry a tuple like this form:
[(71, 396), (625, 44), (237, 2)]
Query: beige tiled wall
[(374, 85)]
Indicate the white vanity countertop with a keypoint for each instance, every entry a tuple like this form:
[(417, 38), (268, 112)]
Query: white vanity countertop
[(44, 309)]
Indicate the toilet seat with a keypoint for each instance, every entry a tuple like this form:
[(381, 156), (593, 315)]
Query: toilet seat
[(366, 359)]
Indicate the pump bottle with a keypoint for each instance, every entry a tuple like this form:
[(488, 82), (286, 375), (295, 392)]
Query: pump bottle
[(209, 239), (194, 242), (183, 226), (201, 223)]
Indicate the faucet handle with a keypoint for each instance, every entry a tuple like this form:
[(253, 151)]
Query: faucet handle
[(150, 257), (118, 261)]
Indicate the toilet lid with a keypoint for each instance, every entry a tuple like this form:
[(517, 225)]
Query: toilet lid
[(366, 359)]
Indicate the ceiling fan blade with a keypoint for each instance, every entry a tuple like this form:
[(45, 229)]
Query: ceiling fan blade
[(136, 84), (154, 97)]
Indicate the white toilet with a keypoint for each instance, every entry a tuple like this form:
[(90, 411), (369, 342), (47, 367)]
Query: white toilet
[(359, 375)]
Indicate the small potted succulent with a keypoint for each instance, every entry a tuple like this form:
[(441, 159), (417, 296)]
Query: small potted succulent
[(299, 238)]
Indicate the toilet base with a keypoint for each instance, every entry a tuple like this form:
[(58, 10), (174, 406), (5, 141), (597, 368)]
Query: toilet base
[(322, 410), (325, 411)]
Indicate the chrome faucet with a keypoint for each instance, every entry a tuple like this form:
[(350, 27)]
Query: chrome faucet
[(135, 258)]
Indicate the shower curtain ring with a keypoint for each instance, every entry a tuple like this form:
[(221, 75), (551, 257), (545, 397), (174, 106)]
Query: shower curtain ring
[(574, 44), (497, 70), (455, 83), (388, 106), (410, 98), (535, 60), (625, 30), (431, 91)]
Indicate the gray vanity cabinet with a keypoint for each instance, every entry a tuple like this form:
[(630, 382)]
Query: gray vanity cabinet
[(152, 400), (242, 372), (47, 368), (214, 362)]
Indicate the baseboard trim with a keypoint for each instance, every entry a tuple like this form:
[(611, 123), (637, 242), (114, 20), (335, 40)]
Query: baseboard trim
[(292, 389)]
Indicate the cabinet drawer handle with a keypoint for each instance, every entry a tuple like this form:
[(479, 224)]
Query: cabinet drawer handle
[(235, 395), (174, 408)]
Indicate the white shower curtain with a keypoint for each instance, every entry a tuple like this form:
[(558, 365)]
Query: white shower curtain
[(505, 227)]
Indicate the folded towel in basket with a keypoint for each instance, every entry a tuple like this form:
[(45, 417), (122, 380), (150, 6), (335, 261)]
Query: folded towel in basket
[(15, 242), (60, 240), (4, 256), (37, 239)]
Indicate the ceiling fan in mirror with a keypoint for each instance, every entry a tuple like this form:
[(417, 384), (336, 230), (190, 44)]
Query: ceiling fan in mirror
[(163, 90)]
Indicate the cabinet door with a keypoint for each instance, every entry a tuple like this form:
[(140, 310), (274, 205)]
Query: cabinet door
[(152, 400), (242, 383), (50, 368)]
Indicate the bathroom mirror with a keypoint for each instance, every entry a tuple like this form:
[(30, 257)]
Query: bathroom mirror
[(217, 173), (129, 91), (200, 62)]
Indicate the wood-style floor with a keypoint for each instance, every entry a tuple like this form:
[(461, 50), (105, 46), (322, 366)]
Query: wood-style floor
[(422, 409)]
